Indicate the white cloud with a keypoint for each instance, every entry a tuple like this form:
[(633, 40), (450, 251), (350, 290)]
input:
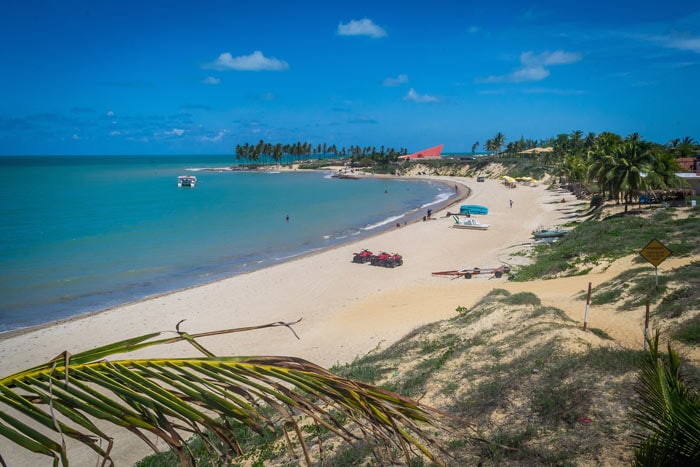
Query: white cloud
[(674, 41), (413, 96), (362, 27), (558, 57), (474, 29), (253, 62), (75, 136), (399, 80), (685, 43), (530, 73), (110, 113), (211, 80), (115, 133), (175, 132), (534, 67), (216, 138)]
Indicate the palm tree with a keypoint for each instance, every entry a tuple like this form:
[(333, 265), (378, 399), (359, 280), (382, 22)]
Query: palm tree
[(632, 163), (601, 161), (498, 141), (475, 146), (663, 170), (667, 412), (575, 170), (687, 147), (173, 397)]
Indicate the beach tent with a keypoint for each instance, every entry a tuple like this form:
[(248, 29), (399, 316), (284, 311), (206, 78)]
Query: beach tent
[(528, 180), (430, 153), (508, 181)]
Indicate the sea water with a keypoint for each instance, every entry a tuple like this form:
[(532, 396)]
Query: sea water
[(80, 234)]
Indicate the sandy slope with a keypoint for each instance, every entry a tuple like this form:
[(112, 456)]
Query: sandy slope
[(347, 309)]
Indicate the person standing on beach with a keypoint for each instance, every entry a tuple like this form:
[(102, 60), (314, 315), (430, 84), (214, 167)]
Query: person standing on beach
[(511, 203)]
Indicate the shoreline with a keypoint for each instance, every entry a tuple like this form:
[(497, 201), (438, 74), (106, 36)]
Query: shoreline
[(463, 193), (270, 288)]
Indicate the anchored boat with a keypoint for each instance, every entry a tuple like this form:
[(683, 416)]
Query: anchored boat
[(186, 181)]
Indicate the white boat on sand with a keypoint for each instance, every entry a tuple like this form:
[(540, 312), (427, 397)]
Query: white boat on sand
[(468, 223), (555, 232)]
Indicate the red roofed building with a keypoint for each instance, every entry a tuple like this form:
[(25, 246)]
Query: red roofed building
[(430, 153)]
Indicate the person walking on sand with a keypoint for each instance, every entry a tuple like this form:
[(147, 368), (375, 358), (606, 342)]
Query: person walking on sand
[(511, 203)]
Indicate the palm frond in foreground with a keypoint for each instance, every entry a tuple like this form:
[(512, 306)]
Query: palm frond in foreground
[(174, 398), (668, 412)]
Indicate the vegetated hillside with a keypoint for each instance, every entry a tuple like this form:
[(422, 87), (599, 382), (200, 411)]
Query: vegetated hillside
[(530, 382), (674, 304), (604, 233), (482, 166)]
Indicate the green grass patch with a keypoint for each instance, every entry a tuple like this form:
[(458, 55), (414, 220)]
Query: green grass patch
[(623, 235), (600, 333), (522, 298), (689, 331), (550, 310), (675, 303)]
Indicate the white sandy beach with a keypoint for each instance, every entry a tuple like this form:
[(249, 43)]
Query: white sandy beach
[(347, 309)]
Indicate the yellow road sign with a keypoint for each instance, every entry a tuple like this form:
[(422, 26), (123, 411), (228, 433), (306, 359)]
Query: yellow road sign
[(655, 252)]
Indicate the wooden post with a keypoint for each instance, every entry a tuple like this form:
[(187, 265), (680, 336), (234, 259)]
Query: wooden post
[(588, 305), (646, 326), (656, 273)]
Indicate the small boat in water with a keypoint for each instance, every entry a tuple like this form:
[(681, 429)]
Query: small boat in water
[(186, 181), (473, 209), (468, 223), (549, 233)]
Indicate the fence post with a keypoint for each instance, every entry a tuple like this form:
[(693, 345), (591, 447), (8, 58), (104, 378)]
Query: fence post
[(588, 305), (646, 326)]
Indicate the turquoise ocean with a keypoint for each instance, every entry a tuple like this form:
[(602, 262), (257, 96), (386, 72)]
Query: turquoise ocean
[(85, 233)]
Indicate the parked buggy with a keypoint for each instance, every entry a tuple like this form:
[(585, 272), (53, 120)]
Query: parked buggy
[(387, 260), (363, 256)]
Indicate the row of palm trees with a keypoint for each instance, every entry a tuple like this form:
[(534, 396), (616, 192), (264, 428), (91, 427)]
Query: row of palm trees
[(621, 168), (576, 142), (264, 152)]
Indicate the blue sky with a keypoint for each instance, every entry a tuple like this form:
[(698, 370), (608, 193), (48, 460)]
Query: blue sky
[(200, 77)]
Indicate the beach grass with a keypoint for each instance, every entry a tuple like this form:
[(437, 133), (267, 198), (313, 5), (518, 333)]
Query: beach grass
[(624, 235), (525, 375)]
